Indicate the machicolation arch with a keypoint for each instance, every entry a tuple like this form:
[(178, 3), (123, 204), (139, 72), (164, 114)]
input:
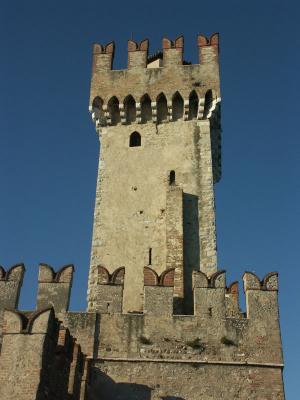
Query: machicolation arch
[(193, 105), (146, 109), (177, 107), (130, 109), (164, 109), (114, 111)]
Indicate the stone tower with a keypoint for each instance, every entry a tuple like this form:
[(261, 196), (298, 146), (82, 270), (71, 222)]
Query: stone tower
[(161, 323), (159, 127)]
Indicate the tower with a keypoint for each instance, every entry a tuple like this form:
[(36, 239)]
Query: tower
[(159, 128), (162, 323)]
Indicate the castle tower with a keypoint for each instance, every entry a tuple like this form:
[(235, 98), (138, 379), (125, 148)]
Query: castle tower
[(153, 258), (159, 127)]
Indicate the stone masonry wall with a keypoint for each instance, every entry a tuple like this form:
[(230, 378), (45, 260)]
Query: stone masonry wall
[(184, 381), (137, 360), (39, 359), (174, 237), (130, 210), (142, 355)]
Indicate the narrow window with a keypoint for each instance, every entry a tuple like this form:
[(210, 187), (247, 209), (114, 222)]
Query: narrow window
[(130, 109), (162, 108), (135, 139), (150, 256), (114, 111), (177, 107), (193, 105), (146, 110), (172, 178)]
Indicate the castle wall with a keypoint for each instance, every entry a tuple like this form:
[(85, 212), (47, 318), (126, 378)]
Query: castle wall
[(142, 355), (10, 284), (181, 381), (39, 359)]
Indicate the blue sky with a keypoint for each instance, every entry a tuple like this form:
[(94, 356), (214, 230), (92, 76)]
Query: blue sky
[(49, 148)]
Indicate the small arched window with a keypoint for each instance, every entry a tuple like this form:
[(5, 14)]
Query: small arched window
[(135, 139), (177, 107), (162, 108), (146, 110), (130, 109), (172, 177), (193, 105), (114, 111)]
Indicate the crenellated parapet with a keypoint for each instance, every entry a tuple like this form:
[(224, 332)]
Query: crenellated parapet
[(173, 51), (10, 285), (209, 294), (261, 296), (212, 298), (54, 287), (103, 56), (216, 334), (108, 293), (160, 88), (138, 54), (42, 357), (208, 48)]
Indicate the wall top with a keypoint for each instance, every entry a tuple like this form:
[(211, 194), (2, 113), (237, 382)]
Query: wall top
[(172, 53)]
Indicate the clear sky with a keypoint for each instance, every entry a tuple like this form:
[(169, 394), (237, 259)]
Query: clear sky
[(49, 147)]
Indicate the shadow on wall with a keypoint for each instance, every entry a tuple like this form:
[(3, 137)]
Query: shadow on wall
[(105, 388), (191, 245), (172, 398)]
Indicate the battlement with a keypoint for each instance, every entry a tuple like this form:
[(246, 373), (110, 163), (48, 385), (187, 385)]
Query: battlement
[(54, 287), (10, 284), (261, 296), (29, 322), (41, 357), (216, 334), (158, 88), (172, 54), (210, 292)]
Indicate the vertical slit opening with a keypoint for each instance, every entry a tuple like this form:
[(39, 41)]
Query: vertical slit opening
[(172, 178), (150, 256)]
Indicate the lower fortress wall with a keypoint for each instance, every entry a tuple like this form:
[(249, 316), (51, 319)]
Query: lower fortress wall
[(113, 380), (216, 353)]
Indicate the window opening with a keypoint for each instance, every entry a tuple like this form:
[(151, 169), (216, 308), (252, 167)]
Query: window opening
[(135, 140), (172, 178), (150, 256), (162, 108), (130, 109), (177, 107), (146, 109), (193, 105), (114, 111)]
